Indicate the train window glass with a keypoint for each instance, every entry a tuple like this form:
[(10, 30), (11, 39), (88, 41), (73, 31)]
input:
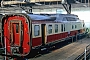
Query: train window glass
[(36, 30), (75, 26), (49, 29), (71, 19), (17, 28), (64, 19), (56, 28), (72, 27), (83, 25), (62, 27)]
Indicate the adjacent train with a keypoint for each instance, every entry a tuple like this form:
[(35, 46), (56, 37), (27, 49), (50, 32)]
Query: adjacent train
[(24, 33)]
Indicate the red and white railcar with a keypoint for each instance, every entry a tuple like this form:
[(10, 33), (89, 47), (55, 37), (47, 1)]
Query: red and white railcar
[(25, 32)]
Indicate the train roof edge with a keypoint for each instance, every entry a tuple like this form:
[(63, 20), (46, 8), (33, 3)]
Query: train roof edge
[(50, 17)]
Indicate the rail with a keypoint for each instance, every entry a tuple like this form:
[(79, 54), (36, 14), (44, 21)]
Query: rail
[(85, 54)]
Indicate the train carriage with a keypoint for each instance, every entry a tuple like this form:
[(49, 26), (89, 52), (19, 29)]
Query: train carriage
[(25, 32)]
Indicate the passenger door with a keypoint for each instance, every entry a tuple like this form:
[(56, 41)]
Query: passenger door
[(15, 32), (44, 35)]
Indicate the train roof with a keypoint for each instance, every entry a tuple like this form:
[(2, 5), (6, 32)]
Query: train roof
[(52, 17), (63, 17)]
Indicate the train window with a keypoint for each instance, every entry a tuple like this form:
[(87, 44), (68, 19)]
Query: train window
[(36, 30), (62, 27), (56, 28), (64, 19), (83, 25), (17, 28), (71, 19), (72, 26), (49, 29), (75, 26)]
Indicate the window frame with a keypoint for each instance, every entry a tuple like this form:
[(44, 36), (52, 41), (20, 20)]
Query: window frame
[(72, 27), (17, 28), (37, 30), (56, 28), (61, 27), (83, 25), (50, 27), (75, 26), (64, 28)]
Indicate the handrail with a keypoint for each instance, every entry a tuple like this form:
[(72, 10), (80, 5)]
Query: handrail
[(86, 49), (84, 54)]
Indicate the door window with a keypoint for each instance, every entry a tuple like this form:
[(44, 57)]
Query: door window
[(17, 28)]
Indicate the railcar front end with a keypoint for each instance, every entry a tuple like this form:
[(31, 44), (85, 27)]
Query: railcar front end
[(16, 31)]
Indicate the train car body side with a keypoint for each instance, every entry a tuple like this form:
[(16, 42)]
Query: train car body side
[(46, 33)]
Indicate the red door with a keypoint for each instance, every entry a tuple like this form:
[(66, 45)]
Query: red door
[(15, 33)]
